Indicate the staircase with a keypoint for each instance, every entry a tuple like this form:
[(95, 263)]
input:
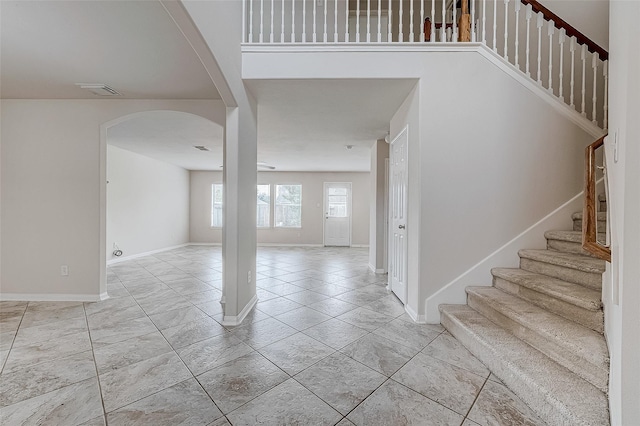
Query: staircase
[(539, 328)]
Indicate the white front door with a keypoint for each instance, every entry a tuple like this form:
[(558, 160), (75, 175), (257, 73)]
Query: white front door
[(398, 215), (337, 217)]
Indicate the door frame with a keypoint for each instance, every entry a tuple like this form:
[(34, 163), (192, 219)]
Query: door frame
[(349, 206)]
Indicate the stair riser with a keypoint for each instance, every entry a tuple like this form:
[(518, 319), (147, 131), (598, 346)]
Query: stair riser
[(587, 279), (602, 225), (567, 247), (590, 319), (547, 408), (580, 366)]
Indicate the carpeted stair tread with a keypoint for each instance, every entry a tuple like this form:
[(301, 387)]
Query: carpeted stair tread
[(556, 394), (570, 236), (572, 293), (578, 348), (600, 216), (568, 260)]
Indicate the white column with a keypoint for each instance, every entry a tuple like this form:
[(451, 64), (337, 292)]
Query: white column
[(239, 231)]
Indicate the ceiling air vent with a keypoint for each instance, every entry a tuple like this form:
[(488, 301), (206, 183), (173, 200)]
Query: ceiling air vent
[(201, 147), (99, 89)]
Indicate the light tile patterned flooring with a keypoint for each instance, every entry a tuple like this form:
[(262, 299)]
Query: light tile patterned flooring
[(326, 345)]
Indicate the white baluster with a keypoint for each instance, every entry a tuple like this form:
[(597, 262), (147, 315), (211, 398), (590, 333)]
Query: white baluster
[(572, 48), (433, 21), (324, 34), (379, 21), (261, 38), (517, 42), (304, 21), (335, 21), (594, 99), (443, 29), (282, 24), (563, 37), (484, 21), (605, 73), (411, 21), (506, 29), (293, 21), (346, 21), (495, 25), (314, 38), (250, 21), (244, 19), (454, 23), (583, 56), (272, 12), (540, 23), (368, 21), (400, 29), (550, 33), (357, 21), (389, 35), (422, 20), (529, 14), (473, 21)]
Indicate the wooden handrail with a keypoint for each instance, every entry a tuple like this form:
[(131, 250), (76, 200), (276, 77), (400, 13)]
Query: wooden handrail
[(571, 31), (589, 214)]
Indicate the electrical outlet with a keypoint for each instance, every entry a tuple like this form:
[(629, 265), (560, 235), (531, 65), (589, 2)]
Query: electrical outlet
[(249, 277), (64, 270)]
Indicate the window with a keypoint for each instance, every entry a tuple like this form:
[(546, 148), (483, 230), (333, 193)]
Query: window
[(288, 206), (337, 200), (216, 205), (263, 209)]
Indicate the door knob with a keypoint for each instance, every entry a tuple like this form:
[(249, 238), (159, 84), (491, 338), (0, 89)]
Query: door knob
[(400, 226)]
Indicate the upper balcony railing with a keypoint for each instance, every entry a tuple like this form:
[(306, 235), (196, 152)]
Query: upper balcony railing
[(523, 32)]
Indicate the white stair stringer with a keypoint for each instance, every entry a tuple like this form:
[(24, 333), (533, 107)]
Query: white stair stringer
[(557, 395)]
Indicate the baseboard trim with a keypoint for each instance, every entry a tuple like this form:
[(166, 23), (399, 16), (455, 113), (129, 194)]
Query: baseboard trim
[(146, 253), (287, 245), (237, 320), (205, 244), (40, 297), (505, 256), (377, 271), (418, 319), (359, 245)]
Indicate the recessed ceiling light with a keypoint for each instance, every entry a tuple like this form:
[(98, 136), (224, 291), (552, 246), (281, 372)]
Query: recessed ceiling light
[(201, 147), (348, 146), (99, 89)]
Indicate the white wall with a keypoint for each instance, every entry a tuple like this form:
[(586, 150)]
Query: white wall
[(495, 159), (590, 17), (312, 207), (621, 292), (147, 203), (378, 203), (54, 192)]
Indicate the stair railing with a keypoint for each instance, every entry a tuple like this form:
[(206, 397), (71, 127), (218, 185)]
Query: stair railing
[(529, 36), (590, 214)]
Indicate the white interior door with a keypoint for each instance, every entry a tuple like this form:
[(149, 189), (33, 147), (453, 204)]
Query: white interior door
[(337, 217), (398, 216)]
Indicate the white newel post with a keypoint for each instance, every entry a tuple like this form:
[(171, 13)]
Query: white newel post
[(605, 73)]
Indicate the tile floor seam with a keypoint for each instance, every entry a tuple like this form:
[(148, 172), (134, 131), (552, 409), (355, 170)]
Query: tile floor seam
[(14, 338), (476, 398), (95, 364)]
